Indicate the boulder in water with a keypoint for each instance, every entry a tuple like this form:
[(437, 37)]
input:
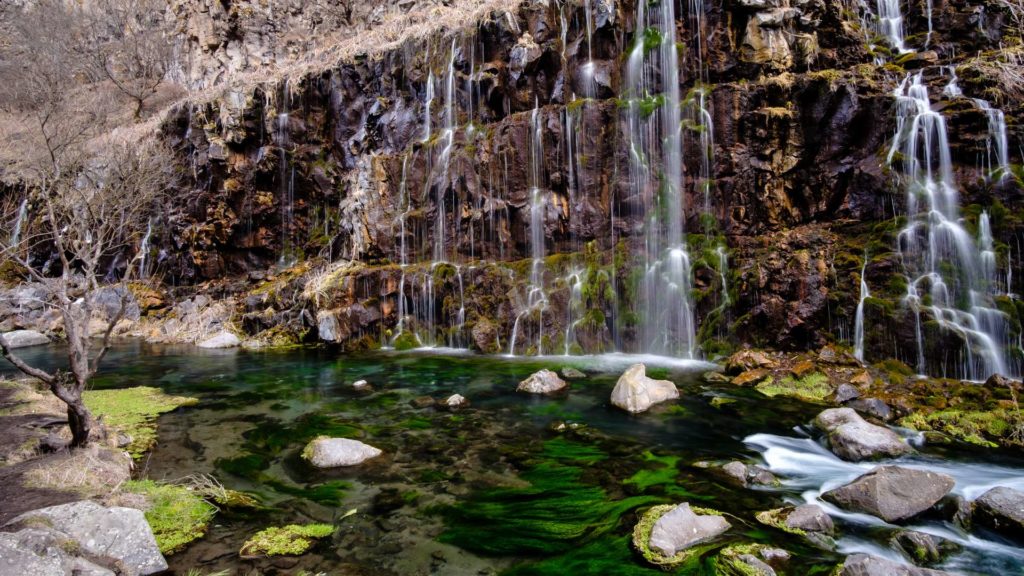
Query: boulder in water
[(324, 452), (867, 565), (572, 373), (120, 535), (543, 382), (892, 493), (25, 338), (922, 548), (809, 521), (222, 339), (456, 401), (665, 533), (1001, 510), (635, 392), (743, 475), (853, 438)]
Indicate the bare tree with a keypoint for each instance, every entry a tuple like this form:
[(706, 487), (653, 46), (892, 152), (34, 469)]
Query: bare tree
[(86, 196), (131, 46), (89, 220)]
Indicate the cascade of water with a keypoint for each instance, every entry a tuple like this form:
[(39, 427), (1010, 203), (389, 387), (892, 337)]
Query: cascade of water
[(428, 103), (997, 145), (403, 253), (444, 161), (455, 338), (702, 123), (952, 89), (988, 253), (574, 307), (536, 300), (19, 221), (936, 251), (655, 169), (890, 23), (928, 10), (723, 272), (144, 249), (858, 327), (286, 177)]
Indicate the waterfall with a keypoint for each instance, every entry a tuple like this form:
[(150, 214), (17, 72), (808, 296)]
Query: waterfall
[(997, 145), (654, 134), (952, 89), (890, 23), (858, 327), (286, 179), (536, 300), (936, 251), (144, 249), (19, 222), (455, 338), (440, 240), (574, 307), (403, 252)]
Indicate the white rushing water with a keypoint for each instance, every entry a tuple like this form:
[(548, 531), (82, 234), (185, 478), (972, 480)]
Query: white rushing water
[(939, 256), (807, 469), (19, 222), (656, 181), (144, 250), (997, 157), (858, 327)]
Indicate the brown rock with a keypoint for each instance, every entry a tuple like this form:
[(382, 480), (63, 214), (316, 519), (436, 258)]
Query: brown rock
[(751, 377)]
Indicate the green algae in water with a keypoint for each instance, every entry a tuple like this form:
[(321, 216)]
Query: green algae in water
[(568, 451), (605, 556), (330, 493), (134, 411), (291, 540), (177, 514), (665, 471), (555, 514)]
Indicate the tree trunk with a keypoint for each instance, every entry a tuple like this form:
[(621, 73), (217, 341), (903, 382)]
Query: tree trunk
[(80, 422)]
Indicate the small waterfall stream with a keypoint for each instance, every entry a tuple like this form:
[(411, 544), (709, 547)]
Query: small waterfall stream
[(858, 328), (19, 223), (939, 257)]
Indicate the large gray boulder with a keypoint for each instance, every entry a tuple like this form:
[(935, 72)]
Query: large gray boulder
[(892, 493), (681, 528), (43, 552), (866, 565), (1001, 510), (25, 338), (324, 452), (223, 339), (635, 392), (543, 382), (118, 534), (853, 438)]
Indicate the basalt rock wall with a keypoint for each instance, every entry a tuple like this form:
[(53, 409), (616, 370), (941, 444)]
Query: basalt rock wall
[(404, 177)]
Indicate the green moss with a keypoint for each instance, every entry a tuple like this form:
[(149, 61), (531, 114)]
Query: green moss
[(811, 388), (572, 452), (134, 411), (557, 513), (177, 514), (607, 556), (729, 561), (406, 341), (291, 540), (986, 428), (776, 518)]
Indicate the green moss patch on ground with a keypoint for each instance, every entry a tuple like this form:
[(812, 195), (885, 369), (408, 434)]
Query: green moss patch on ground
[(177, 514), (811, 388), (988, 428), (134, 411), (290, 540)]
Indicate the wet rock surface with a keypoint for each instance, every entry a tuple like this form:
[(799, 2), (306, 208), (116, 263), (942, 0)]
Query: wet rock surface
[(542, 382), (892, 493), (635, 392), (681, 528), (336, 452), (867, 565), (1001, 510), (852, 438)]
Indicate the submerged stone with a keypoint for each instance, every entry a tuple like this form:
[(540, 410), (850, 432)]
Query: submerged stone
[(324, 452), (542, 382), (572, 373), (922, 548), (853, 438), (892, 493), (867, 565), (635, 392), (456, 401)]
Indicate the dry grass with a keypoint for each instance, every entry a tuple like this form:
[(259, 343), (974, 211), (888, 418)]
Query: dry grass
[(92, 471)]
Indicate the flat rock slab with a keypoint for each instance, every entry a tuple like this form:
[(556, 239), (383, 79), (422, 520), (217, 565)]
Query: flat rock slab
[(1001, 510), (335, 452), (25, 338), (635, 392), (681, 528), (121, 534), (892, 493), (852, 438), (43, 552), (866, 565), (221, 340), (543, 382)]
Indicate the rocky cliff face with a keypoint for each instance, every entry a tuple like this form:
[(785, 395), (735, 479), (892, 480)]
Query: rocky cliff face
[(417, 181)]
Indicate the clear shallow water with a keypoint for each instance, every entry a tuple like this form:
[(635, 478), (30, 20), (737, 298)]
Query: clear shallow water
[(493, 488)]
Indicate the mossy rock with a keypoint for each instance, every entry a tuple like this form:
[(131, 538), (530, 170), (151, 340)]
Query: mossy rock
[(406, 341), (733, 561), (811, 388), (642, 538), (290, 540), (776, 518), (177, 514), (134, 411)]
